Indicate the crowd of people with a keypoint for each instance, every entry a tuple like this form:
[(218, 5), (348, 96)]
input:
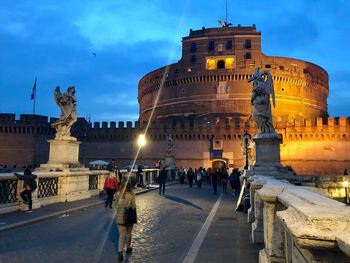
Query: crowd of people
[(216, 177)]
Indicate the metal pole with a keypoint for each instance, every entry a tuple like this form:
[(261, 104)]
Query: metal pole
[(346, 195)]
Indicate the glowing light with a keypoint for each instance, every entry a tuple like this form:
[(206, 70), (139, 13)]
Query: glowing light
[(211, 64), (230, 63), (345, 183), (141, 141)]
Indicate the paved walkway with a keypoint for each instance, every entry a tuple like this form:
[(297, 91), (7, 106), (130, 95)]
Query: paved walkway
[(228, 238), (212, 231), (20, 218)]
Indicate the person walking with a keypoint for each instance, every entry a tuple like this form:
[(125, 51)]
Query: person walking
[(199, 178), (139, 175), (235, 181), (110, 186), (126, 216), (162, 179), (29, 186), (190, 176), (224, 180), (214, 180)]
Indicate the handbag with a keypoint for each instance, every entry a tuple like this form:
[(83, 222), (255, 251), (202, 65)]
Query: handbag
[(130, 215)]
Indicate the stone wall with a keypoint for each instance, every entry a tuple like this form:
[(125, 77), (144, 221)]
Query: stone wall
[(310, 146)]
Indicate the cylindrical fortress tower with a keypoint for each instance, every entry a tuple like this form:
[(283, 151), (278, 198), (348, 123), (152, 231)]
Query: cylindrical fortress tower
[(211, 79)]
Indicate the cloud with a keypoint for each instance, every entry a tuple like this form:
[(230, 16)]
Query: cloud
[(112, 116)]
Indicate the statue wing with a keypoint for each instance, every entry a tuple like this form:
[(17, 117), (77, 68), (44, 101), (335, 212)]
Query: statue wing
[(58, 96)]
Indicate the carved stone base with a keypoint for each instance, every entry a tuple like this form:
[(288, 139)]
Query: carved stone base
[(64, 155), (169, 162), (267, 151)]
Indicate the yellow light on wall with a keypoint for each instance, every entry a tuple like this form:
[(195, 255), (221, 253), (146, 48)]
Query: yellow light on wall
[(229, 63), (211, 64), (345, 183)]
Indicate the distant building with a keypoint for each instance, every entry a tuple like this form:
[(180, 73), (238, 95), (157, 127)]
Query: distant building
[(205, 106)]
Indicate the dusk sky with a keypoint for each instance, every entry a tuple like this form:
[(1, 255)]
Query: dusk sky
[(55, 41)]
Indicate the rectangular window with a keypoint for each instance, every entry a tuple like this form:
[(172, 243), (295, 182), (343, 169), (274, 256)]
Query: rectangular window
[(267, 66), (248, 43), (193, 47), (211, 45), (193, 58), (248, 55), (229, 44)]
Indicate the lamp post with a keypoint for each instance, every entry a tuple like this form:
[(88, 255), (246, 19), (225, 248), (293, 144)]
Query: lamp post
[(346, 184), (246, 138)]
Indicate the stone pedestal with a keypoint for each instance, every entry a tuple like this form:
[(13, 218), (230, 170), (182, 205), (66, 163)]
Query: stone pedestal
[(169, 162), (267, 158), (64, 155), (267, 151)]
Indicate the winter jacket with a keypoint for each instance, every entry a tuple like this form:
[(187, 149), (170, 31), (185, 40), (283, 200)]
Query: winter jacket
[(27, 179), (124, 202)]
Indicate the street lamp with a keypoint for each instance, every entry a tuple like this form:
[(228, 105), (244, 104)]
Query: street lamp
[(246, 138), (346, 184), (141, 141)]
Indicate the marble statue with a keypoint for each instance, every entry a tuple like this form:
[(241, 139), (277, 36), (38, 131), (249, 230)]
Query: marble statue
[(169, 151), (68, 105), (261, 114)]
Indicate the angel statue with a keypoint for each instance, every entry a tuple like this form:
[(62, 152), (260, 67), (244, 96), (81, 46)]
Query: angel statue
[(262, 89), (68, 105)]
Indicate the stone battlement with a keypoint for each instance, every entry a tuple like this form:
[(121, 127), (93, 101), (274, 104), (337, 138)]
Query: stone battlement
[(182, 128)]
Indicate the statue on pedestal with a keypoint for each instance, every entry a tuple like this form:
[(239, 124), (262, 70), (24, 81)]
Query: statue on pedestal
[(262, 89), (68, 105)]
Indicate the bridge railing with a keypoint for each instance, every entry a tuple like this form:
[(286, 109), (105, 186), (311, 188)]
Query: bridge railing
[(56, 187), (296, 224)]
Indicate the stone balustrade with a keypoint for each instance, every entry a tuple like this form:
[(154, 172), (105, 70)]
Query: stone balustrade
[(58, 187), (297, 225)]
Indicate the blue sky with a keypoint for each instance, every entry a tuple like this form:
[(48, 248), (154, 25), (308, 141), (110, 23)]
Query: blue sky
[(55, 41)]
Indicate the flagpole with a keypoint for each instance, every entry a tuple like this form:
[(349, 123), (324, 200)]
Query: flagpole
[(34, 105)]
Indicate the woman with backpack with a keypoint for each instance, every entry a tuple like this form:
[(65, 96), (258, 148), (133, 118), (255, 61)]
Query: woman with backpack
[(126, 216), (110, 186), (29, 186)]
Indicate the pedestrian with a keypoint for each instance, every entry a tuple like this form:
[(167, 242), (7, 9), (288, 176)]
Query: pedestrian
[(224, 180), (190, 176), (214, 180), (139, 175), (110, 186), (162, 179), (208, 174), (199, 178), (235, 181), (126, 216), (29, 186)]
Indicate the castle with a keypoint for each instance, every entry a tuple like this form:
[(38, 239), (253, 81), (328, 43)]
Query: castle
[(203, 101)]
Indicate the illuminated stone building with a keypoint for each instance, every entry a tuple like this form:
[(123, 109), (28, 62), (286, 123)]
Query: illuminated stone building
[(204, 104), (211, 79)]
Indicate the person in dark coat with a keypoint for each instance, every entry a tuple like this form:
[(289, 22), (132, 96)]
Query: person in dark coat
[(190, 177), (162, 179), (214, 180), (224, 180), (235, 181), (29, 186)]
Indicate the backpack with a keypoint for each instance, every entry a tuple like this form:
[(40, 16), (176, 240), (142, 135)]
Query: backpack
[(33, 185)]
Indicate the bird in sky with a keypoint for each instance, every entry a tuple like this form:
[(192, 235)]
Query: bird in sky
[(94, 54)]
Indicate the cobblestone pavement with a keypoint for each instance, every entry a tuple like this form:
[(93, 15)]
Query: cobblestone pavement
[(166, 229)]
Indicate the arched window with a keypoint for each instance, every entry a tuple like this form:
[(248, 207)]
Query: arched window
[(221, 64)]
